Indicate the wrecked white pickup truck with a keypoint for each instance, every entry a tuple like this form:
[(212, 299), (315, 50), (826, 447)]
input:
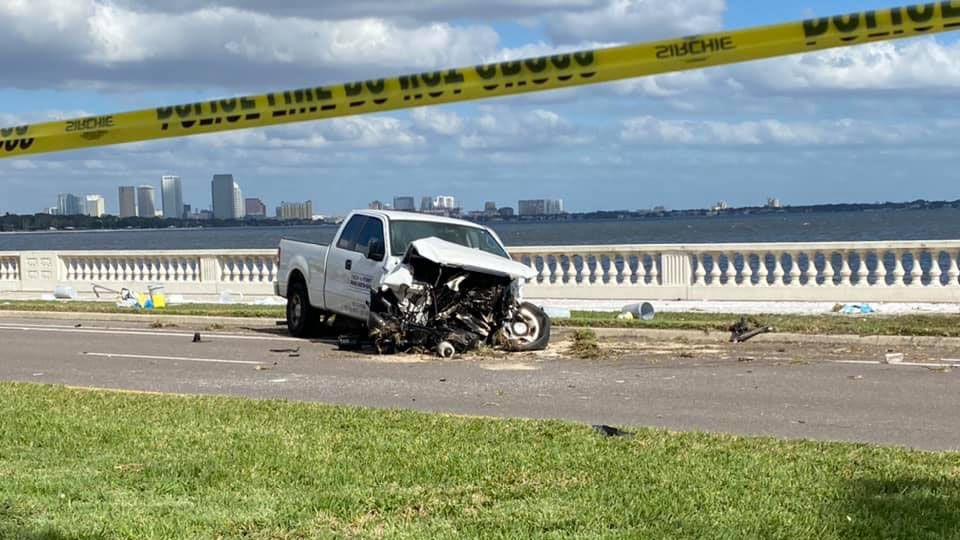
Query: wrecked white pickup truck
[(415, 282)]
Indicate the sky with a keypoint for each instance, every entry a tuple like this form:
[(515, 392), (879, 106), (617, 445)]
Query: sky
[(866, 124)]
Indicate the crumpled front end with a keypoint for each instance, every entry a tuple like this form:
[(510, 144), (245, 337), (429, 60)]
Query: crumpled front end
[(449, 299)]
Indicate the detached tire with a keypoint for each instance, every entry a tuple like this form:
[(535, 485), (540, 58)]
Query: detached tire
[(302, 318), (538, 324)]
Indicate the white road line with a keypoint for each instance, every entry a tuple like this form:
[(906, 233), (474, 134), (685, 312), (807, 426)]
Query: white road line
[(74, 330), (903, 364), (172, 358)]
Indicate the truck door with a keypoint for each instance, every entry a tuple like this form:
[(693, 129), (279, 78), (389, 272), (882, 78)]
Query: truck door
[(350, 274)]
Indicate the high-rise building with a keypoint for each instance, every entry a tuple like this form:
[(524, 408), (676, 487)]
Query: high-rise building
[(444, 202), (69, 204), (540, 207), (376, 205), (128, 201), (146, 202), (490, 207), (405, 204), (426, 204), (295, 210), (95, 206), (255, 208), (171, 191), (227, 198)]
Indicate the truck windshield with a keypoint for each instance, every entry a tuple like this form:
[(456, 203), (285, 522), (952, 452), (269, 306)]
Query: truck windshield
[(404, 232)]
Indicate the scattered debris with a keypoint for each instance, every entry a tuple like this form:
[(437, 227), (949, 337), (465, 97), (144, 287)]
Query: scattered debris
[(447, 298), (65, 293), (856, 309), (610, 431), (585, 344), (741, 331), (161, 324), (644, 311), (196, 337), (746, 359), (687, 354), (285, 351), (349, 343), (214, 327), (894, 358), (941, 369), (78, 325), (261, 368), (856, 377)]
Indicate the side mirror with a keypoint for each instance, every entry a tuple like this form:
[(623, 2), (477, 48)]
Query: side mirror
[(376, 251)]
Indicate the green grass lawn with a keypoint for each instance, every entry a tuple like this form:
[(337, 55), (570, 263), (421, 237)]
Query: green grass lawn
[(899, 325), (88, 465)]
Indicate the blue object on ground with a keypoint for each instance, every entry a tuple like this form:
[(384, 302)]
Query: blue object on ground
[(857, 309)]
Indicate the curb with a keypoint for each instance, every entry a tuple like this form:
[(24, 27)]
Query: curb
[(144, 318), (695, 336)]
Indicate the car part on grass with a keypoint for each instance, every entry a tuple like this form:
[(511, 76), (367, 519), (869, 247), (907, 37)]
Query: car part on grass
[(610, 431), (447, 298), (643, 311), (741, 331)]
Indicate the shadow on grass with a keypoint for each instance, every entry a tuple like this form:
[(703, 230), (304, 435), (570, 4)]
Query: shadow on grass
[(903, 508)]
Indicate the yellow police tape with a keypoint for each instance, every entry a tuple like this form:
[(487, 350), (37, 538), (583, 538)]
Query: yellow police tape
[(483, 81)]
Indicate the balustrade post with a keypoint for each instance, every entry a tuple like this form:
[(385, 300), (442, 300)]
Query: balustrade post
[(795, 272), (898, 270), (845, 271), (731, 273), (748, 272), (828, 271), (715, 270), (699, 272), (762, 271), (778, 272), (916, 271), (954, 272), (863, 273), (935, 271)]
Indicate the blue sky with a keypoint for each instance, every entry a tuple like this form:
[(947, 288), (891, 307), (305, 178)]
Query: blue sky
[(872, 123)]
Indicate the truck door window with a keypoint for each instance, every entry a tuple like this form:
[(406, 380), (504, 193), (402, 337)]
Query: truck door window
[(373, 230), (348, 239)]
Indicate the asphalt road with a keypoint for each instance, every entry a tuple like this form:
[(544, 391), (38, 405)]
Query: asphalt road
[(824, 399)]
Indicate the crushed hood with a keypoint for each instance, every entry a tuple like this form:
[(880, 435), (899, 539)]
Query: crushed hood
[(474, 260)]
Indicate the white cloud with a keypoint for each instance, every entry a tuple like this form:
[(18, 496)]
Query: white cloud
[(651, 130), (58, 42), (504, 131), (637, 20), (437, 121)]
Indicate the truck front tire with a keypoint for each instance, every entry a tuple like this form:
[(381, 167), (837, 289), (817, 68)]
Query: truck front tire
[(302, 318)]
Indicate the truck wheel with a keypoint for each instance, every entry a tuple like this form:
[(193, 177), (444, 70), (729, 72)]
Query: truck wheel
[(302, 318), (534, 326)]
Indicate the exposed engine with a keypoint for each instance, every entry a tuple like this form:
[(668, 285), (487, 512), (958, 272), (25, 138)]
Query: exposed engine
[(426, 306)]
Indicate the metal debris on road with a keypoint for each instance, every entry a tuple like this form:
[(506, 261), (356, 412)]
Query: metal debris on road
[(741, 331)]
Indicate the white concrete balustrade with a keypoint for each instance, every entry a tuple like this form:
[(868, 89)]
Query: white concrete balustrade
[(833, 272), (195, 275), (840, 272)]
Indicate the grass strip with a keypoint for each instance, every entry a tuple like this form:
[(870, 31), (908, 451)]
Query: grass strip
[(883, 325), (88, 465)]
